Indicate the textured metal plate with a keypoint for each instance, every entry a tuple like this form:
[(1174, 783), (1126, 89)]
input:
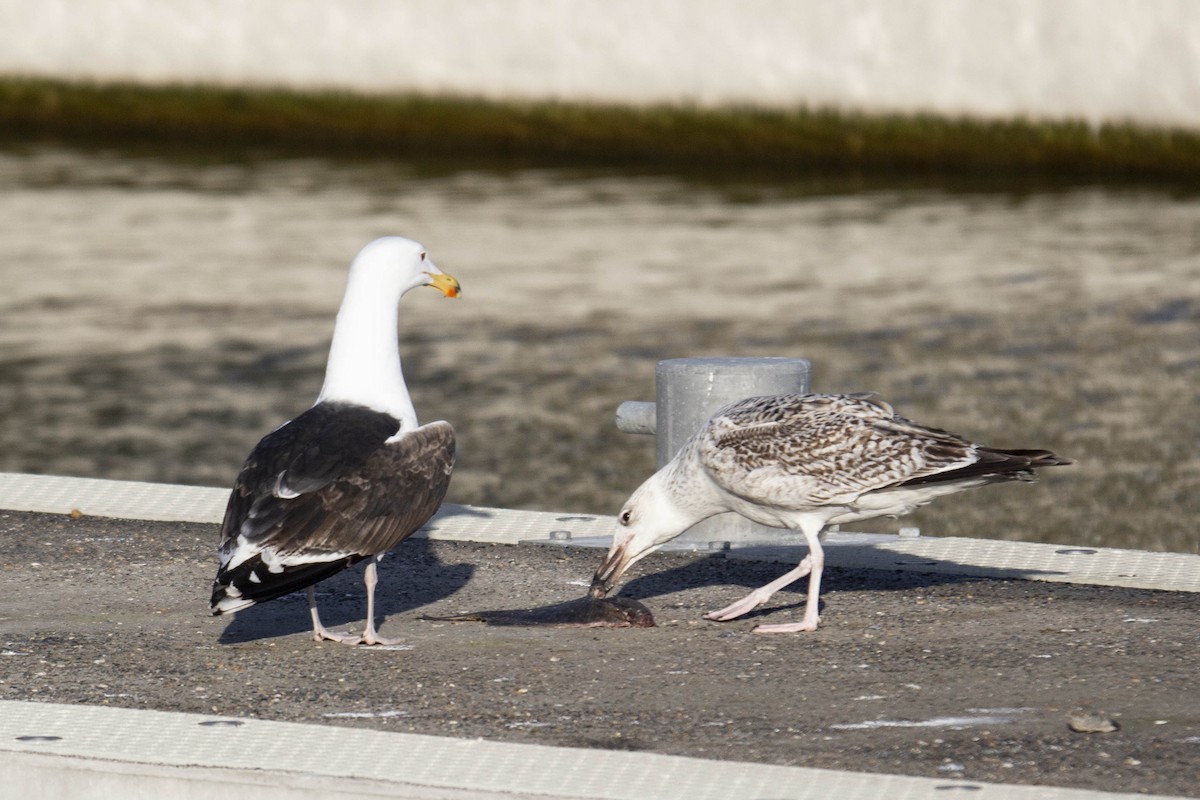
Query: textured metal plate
[(124, 749)]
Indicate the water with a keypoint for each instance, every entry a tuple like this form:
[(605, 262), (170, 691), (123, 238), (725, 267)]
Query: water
[(160, 313)]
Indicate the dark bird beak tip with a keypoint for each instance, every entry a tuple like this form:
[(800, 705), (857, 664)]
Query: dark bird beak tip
[(599, 588)]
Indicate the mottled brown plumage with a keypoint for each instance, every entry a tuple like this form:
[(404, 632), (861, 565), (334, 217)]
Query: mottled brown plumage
[(820, 450)]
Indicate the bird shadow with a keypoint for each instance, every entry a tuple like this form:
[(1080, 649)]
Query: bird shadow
[(410, 576), (748, 573)]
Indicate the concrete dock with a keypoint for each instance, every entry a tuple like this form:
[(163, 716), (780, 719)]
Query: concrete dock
[(943, 666)]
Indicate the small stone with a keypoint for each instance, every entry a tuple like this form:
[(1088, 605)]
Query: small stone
[(1081, 722)]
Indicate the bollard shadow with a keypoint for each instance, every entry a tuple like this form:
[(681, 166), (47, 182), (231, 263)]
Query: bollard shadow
[(410, 576)]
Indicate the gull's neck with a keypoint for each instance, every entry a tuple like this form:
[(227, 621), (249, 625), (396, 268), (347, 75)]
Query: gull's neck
[(364, 358), (691, 490)]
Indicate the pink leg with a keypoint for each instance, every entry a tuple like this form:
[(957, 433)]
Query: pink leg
[(761, 595), (811, 607), (320, 632), (371, 579)]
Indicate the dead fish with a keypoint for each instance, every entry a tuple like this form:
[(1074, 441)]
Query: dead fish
[(585, 612)]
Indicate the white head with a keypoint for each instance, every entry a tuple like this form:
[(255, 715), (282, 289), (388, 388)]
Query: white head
[(393, 265), (650, 518), (364, 358)]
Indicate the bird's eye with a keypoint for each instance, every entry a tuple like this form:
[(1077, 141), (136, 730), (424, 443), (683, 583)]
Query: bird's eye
[(625, 517), (422, 255)]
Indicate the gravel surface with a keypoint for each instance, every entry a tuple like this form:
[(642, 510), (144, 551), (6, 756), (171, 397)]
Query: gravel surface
[(920, 674)]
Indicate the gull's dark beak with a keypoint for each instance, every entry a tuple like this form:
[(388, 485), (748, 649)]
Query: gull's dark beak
[(609, 572), (599, 589)]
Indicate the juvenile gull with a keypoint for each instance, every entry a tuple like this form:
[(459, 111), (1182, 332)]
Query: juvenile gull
[(351, 477), (803, 461)]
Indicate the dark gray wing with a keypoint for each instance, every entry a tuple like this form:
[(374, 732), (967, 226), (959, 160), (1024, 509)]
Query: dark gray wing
[(396, 492), (297, 459), (324, 491)]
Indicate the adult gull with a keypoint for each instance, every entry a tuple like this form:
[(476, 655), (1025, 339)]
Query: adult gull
[(352, 476)]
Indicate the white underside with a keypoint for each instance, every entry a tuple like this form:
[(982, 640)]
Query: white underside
[(228, 605), (892, 503), (272, 560)]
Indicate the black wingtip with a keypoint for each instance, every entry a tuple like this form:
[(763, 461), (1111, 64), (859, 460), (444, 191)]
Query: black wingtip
[(1036, 459), (997, 465), (271, 585)]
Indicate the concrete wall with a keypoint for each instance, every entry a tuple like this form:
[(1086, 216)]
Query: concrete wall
[(1092, 59)]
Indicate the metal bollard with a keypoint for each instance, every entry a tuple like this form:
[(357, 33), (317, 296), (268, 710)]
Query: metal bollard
[(688, 391)]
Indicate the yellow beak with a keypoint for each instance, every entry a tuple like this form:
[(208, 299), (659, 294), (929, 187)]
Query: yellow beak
[(446, 284)]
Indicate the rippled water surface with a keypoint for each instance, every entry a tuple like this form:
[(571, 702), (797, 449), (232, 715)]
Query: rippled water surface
[(161, 313)]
